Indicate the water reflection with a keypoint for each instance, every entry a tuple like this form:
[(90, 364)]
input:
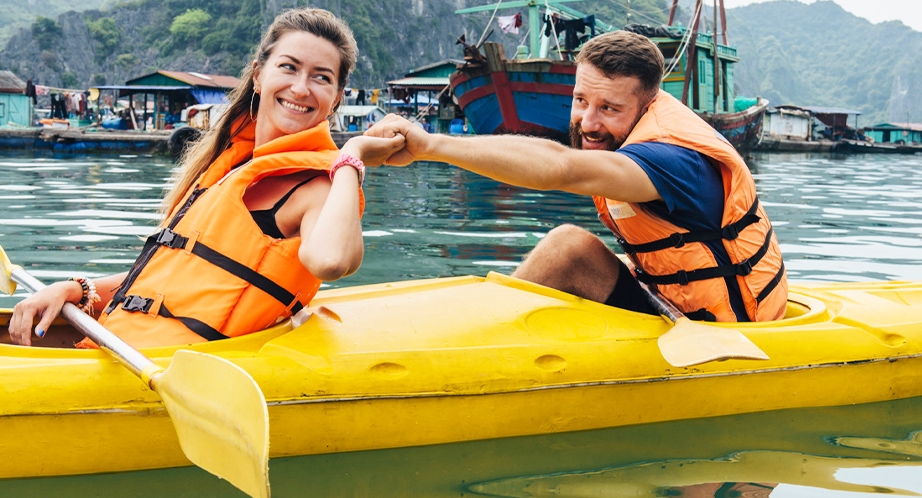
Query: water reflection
[(859, 450)]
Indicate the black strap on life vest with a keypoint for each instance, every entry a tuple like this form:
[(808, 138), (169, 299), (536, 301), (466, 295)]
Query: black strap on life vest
[(147, 252), (683, 277), (172, 240), (676, 240), (136, 303)]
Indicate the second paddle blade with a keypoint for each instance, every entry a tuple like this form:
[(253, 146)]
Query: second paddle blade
[(691, 343), (221, 418)]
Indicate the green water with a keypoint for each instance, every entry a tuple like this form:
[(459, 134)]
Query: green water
[(838, 219)]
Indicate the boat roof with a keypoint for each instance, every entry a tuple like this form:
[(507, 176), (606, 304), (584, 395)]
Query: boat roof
[(820, 110), (421, 83), (358, 110)]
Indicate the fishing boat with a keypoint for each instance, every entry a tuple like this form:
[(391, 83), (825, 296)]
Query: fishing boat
[(457, 359), (531, 93)]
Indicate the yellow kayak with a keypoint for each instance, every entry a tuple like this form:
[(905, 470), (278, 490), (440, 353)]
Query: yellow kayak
[(460, 359)]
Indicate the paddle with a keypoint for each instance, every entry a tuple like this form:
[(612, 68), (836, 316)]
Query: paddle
[(690, 343), (218, 410)]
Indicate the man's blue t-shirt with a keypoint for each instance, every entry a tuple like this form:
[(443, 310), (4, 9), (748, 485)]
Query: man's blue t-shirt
[(693, 198)]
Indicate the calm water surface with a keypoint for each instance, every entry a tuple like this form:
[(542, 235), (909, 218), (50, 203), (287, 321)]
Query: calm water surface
[(845, 218)]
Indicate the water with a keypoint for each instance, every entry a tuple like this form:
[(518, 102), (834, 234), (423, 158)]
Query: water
[(838, 218)]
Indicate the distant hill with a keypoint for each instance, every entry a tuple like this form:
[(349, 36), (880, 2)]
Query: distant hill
[(19, 14), (819, 54)]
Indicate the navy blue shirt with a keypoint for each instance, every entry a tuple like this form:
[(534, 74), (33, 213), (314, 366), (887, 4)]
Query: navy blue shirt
[(693, 198)]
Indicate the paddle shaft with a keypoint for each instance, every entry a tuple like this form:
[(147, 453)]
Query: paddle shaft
[(128, 356), (662, 306)]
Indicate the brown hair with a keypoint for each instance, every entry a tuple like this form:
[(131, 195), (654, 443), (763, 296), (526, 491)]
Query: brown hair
[(197, 158), (622, 53)]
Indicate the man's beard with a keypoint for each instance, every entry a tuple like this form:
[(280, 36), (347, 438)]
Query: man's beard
[(611, 142), (576, 138)]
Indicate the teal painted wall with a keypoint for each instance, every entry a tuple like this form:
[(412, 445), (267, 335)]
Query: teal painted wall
[(15, 108)]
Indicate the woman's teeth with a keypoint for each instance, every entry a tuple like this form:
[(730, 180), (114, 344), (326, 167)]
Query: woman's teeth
[(295, 107)]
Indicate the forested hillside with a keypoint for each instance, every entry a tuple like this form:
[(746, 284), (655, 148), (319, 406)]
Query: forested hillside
[(131, 38), (819, 54), (17, 14), (791, 53)]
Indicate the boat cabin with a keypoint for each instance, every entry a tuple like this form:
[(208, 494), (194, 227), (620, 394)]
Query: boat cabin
[(15, 106), (356, 117), (424, 93), (897, 133)]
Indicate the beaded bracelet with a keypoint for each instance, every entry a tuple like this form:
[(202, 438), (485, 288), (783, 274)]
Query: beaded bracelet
[(90, 297)]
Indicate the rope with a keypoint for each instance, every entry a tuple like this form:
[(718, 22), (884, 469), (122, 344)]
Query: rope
[(685, 39), (488, 24)]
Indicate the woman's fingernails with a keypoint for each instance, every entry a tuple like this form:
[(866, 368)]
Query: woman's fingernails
[(40, 332)]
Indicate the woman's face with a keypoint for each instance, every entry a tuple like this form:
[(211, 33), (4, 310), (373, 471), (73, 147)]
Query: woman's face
[(297, 86)]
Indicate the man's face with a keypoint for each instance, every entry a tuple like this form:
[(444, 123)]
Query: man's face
[(604, 109)]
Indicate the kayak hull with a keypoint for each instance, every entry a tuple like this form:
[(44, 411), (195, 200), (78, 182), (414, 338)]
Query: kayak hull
[(462, 359)]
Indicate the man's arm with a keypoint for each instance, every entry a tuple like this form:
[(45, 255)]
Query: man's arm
[(525, 161)]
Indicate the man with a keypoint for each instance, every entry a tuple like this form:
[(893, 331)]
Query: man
[(679, 198)]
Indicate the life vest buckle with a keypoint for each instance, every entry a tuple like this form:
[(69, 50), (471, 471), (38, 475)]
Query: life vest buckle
[(682, 276), (133, 302), (678, 240), (744, 268), (169, 238), (730, 232)]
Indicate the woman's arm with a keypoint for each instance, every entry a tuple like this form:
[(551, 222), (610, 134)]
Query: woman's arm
[(46, 304), (331, 228)]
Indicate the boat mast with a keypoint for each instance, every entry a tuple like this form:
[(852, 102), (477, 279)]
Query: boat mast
[(691, 68), (534, 17), (675, 3), (716, 62)]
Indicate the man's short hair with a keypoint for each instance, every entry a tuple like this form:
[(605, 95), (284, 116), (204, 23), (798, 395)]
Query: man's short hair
[(622, 53)]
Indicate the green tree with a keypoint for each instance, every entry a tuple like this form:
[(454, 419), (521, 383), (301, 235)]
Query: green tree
[(45, 31), (107, 33), (190, 26)]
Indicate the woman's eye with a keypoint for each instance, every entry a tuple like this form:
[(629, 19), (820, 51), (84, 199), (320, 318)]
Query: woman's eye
[(287, 66)]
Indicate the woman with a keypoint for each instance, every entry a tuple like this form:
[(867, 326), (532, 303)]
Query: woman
[(264, 209)]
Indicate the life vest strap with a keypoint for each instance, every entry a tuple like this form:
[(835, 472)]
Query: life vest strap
[(137, 304), (771, 284), (683, 277), (676, 240), (170, 239)]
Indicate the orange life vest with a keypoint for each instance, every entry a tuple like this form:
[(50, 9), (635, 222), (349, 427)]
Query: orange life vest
[(677, 261), (211, 273)]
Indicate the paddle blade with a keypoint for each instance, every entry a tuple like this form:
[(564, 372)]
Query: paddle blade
[(7, 284), (221, 418), (691, 343)]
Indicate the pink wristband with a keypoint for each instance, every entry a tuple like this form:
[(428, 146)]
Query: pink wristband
[(348, 160)]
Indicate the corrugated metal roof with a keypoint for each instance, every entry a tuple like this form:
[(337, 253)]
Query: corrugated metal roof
[(198, 80), (10, 83)]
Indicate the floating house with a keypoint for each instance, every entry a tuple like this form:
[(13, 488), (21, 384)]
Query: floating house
[(896, 133), (15, 106), (164, 94), (791, 122), (426, 89)]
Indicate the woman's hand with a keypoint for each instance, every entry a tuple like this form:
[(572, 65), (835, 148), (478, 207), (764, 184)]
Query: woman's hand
[(373, 151), (45, 304), (417, 139)]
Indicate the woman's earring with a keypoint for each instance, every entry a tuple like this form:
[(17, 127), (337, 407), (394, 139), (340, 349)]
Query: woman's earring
[(252, 98)]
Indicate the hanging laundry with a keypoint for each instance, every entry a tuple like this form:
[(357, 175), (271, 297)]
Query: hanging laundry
[(510, 24)]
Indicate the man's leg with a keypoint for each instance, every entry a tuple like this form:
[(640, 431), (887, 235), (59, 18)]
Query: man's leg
[(573, 260)]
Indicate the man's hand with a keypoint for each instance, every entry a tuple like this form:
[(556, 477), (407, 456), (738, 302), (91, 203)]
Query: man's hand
[(418, 141)]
